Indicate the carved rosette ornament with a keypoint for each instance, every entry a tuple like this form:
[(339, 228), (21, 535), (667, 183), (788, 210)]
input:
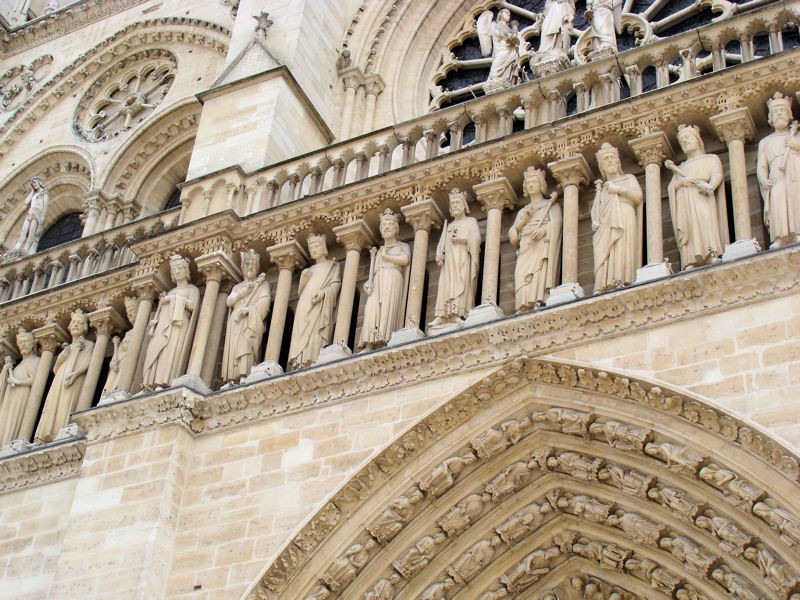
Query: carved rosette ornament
[(125, 95), (19, 82)]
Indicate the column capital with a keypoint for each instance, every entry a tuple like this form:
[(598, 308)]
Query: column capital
[(50, 336), (495, 193), (423, 214), (106, 320), (216, 266), (374, 84), (352, 77), (355, 235), (7, 347), (653, 148), (288, 255), (734, 124), (571, 171)]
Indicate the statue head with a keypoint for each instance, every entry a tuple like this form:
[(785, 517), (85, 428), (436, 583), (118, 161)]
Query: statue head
[(78, 324), (534, 179), (504, 15), (251, 264), (317, 246), (37, 183), (608, 159), (25, 342), (458, 198), (779, 110), (690, 134), (131, 307), (178, 267), (390, 223)]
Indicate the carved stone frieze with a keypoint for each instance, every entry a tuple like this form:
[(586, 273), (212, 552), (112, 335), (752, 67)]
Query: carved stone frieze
[(41, 465)]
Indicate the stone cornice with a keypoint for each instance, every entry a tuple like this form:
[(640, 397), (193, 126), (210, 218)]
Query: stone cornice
[(42, 465), (689, 295)]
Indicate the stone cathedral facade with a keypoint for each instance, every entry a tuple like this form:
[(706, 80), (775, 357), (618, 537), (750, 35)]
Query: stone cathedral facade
[(463, 299)]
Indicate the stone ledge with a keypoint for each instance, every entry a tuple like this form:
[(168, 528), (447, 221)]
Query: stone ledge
[(41, 465)]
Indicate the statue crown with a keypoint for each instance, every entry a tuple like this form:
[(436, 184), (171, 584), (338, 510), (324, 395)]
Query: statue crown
[(778, 99), (607, 150), (250, 257), (388, 215)]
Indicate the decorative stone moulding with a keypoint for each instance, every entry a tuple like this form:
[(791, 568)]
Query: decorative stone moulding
[(18, 83), (125, 95)]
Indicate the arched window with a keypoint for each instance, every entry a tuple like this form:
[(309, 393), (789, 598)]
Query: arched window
[(174, 199), (66, 229)]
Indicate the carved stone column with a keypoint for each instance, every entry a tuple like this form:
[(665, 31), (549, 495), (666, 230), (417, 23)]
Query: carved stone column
[(105, 322), (423, 216), (651, 151), (494, 195), (352, 79), (215, 266), (217, 332), (50, 338), (147, 293), (354, 237), (91, 213), (374, 85), (571, 173), (288, 256), (734, 127)]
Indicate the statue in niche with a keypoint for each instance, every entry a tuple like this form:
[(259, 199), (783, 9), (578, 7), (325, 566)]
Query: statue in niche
[(500, 38), (15, 387), (523, 522), (386, 287), (537, 231), (779, 173), (697, 201), (458, 257), (778, 575), (172, 328), (444, 475), (318, 292), (384, 589), (617, 239), (121, 347), (605, 17), (33, 226), (469, 564), (738, 587), (347, 566), (530, 569), (249, 304), (461, 516), (392, 520), (70, 371), (557, 26)]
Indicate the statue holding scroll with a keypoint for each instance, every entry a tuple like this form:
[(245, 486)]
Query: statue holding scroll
[(697, 201), (387, 286), (70, 372), (172, 328), (15, 387), (615, 222), (779, 173), (316, 306), (458, 257), (249, 304), (537, 232)]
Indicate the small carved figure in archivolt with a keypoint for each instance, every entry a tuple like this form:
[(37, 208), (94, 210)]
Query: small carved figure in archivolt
[(731, 485), (444, 475), (738, 587), (472, 562), (530, 569), (392, 520), (620, 435), (462, 515), (438, 590), (732, 539), (629, 481), (523, 522), (677, 500), (346, 567), (639, 529), (419, 555), (608, 556), (778, 575), (782, 520), (509, 480), (385, 589), (565, 420), (579, 466), (678, 457), (493, 441), (695, 559), (586, 507)]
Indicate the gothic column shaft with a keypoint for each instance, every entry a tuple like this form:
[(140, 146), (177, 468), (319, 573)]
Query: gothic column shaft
[(571, 173), (215, 337), (105, 321), (354, 236), (129, 364), (494, 195), (288, 256), (652, 150), (423, 216)]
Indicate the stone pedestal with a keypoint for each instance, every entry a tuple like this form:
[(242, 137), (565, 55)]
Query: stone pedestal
[(740, 249), (193, 382), (483, 313), (332, 353), (406, 335), (566, 292), (444, 327), (264, 370), (653, 271), (549, 63)]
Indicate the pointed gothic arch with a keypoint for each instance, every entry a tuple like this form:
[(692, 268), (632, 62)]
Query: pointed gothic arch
[(546, 478)]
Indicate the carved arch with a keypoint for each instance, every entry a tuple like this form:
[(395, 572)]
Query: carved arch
[(149, 166), (545, 472), (168, 31), (68, 173)]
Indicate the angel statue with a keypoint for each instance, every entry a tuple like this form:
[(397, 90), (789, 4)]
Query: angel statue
[(605, 17), (501, 40)]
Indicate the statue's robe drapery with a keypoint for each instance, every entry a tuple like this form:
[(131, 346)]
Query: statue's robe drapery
[(606, 21), (700, 220), (558, 14), (61, 398), (460, 246), (780, 164), (383, 311), (315, 312), (15, 399), (244, 331), (168, 350), (536, 270), (617, 239)]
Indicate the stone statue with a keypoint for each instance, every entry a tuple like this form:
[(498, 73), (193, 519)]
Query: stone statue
[(557, 26), (171, 329), (495, 594), (730, 484), (509, 480), (779, 173), (580, 466), (615, 222), (537, 231), (458, 256), (462, 515), (530, 569), (493, 441), (419, 555), (639, 529), (565, 420), (318, 292), (15, 387), (605, 17), (738, 587), (387, 286), (469, 564), (33, 226), (676, 456), (438, 590), (70, 371), (697, 201), (629, 481), (444, 475), (501, 40), (586, 507), (347, 566), (121, 347), (693, 557), (677, 500), (784, 521), (384, 589), (621, 435), (523, 522), (732, 538), (393, 519), (249, 304), (778, 575)]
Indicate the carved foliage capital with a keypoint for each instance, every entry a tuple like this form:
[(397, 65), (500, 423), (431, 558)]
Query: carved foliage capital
[(218, 266), (106, 320), (495, 194), (653, 148), (288, 255), (355, 236), (423, 214), (736, 124), (571, 171), (50, 336)]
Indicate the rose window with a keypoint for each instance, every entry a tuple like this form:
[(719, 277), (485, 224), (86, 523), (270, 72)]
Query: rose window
[(125, 96)]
